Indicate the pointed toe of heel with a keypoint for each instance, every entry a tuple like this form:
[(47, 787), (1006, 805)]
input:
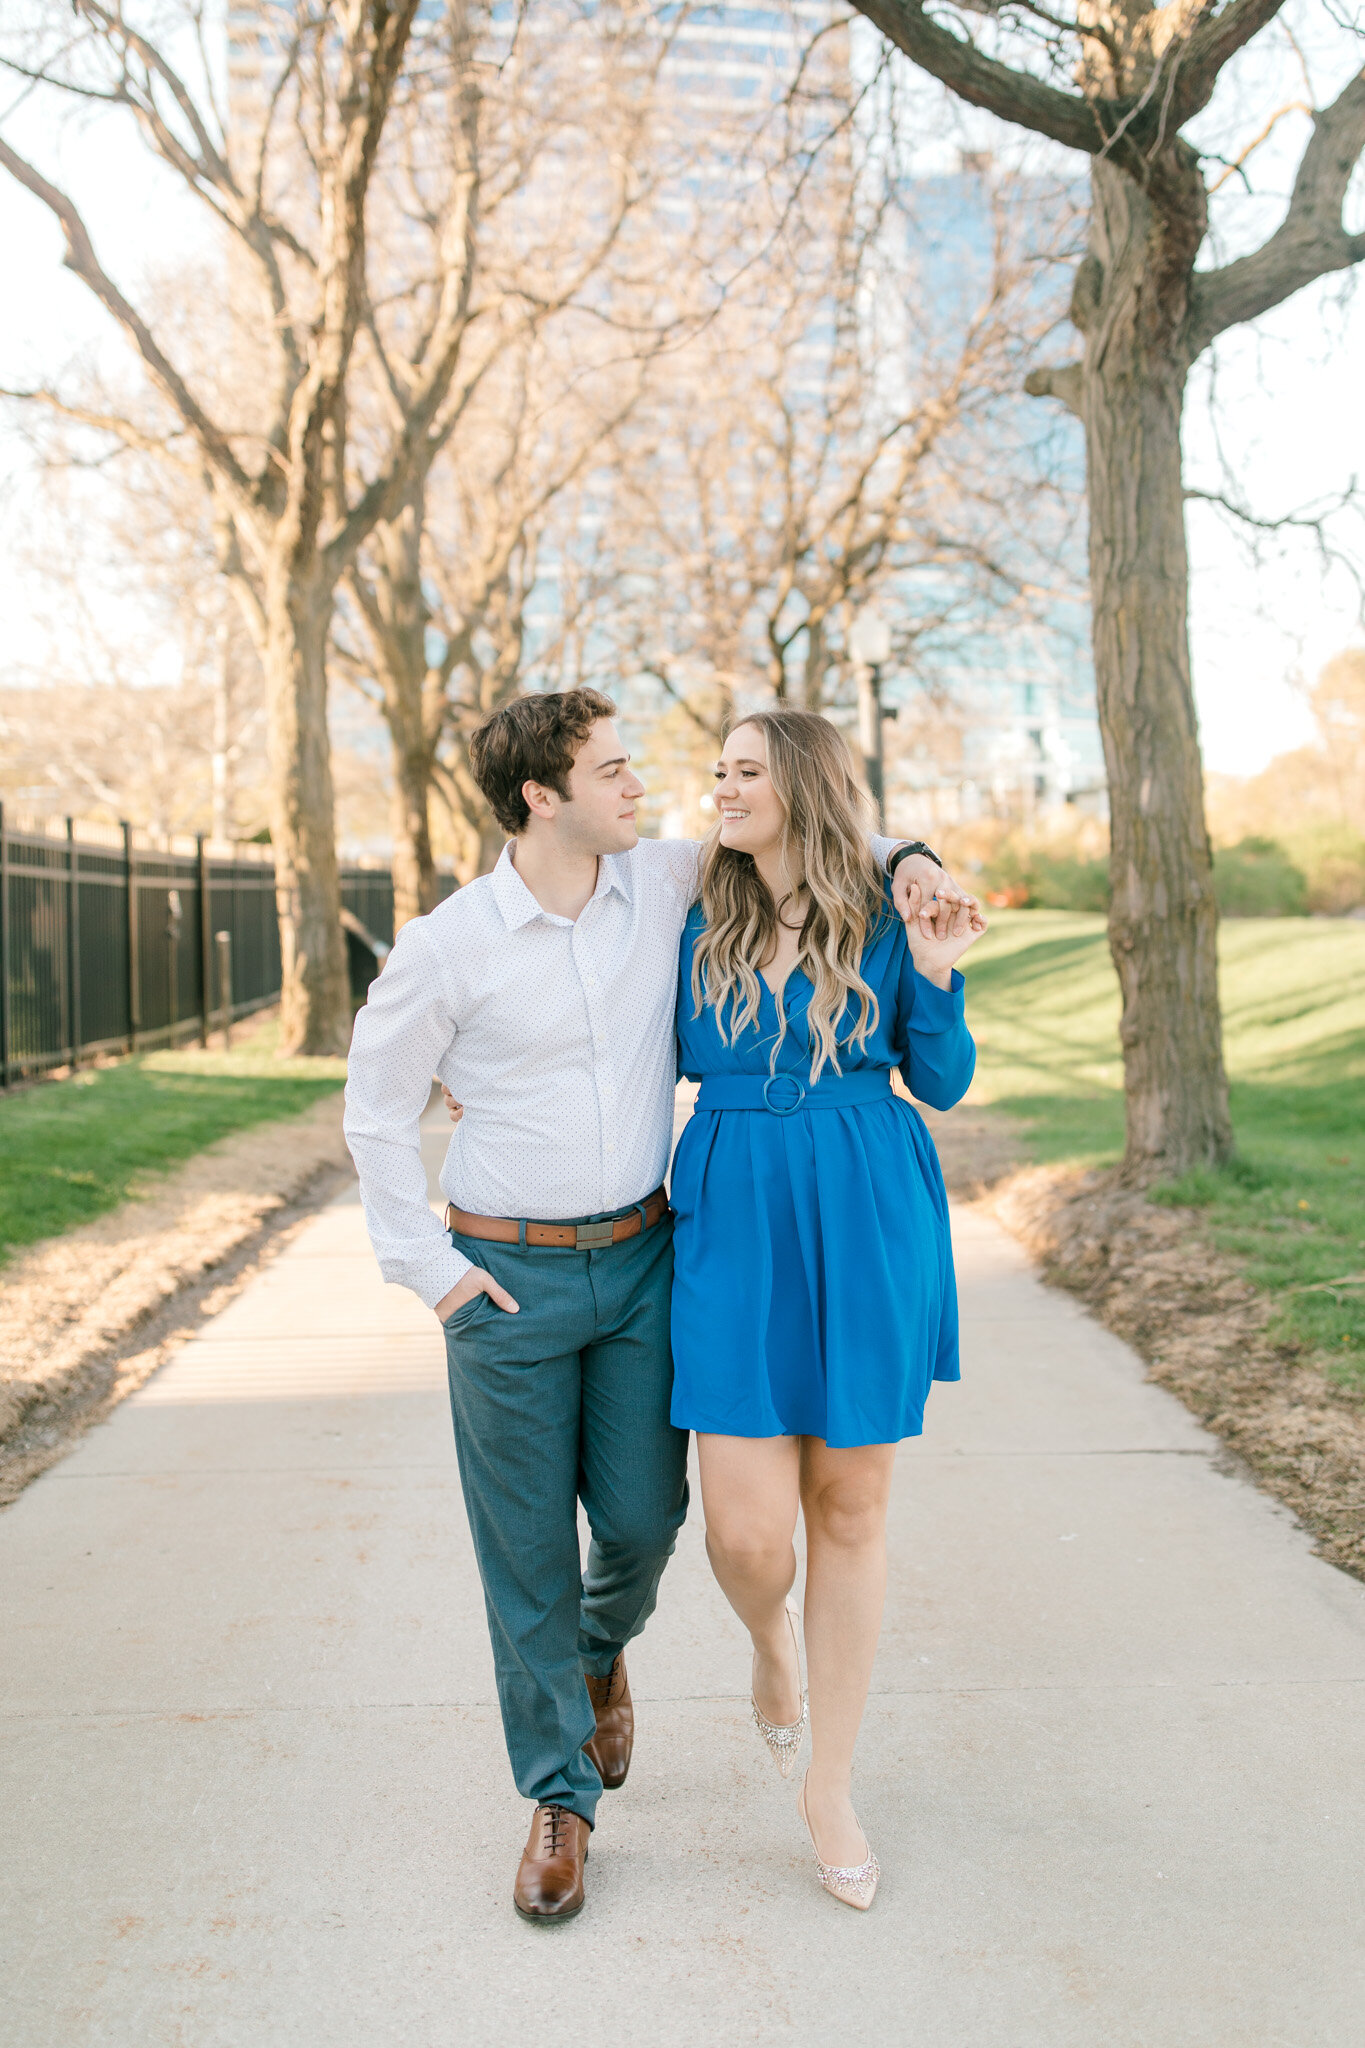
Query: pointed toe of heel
[(852, 1884)]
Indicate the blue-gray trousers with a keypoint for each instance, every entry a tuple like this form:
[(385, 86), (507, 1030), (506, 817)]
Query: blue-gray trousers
[(566, 1401)]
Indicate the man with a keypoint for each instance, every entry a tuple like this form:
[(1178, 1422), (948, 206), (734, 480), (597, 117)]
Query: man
[(542, 995)]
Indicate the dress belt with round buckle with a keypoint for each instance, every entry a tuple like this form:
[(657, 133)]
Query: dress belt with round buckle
[(783, 1094), (564, 1237)]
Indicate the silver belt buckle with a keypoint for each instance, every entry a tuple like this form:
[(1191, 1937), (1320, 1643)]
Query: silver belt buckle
[(593, 1237)]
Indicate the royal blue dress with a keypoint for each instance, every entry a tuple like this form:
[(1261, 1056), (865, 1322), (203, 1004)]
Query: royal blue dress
[(813, 1290)]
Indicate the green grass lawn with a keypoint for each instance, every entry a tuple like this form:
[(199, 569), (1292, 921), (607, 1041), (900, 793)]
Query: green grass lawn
[(71, 1149), (1043, 1002)]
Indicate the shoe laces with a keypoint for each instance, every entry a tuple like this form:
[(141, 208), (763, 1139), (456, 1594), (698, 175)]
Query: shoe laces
[(554, 1830), (606, 1685)]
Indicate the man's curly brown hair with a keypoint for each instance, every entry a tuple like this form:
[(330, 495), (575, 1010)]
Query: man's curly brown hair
[(532, 739)]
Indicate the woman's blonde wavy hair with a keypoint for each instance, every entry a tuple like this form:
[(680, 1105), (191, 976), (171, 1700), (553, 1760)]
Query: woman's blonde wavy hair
[(826, 853)]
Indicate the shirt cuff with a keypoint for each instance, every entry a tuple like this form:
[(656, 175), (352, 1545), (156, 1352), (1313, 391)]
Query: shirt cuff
[(434, 1278), (938, 1009)]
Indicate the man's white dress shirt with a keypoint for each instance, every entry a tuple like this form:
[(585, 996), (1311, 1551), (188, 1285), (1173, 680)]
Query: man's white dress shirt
[(556, 1034)]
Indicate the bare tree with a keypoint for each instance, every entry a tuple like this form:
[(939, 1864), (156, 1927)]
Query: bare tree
[(514, 563), (840, 430), (118, 552), (520, 218), (289, 198), (1122, 85)]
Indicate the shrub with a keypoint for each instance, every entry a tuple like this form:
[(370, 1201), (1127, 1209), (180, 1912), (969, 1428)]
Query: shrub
[(1069, 882), (1256, 878), (1332, 858), (1059, 864)]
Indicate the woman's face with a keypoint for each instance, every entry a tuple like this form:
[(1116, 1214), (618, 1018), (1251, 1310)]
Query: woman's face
[(752, 818)]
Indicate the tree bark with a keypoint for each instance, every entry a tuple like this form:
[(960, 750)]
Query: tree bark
[(414, 867), (1131, 304), (315, 997), (492, 840), (394, 608)]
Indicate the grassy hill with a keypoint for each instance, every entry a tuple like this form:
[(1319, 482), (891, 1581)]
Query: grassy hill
[(69, 1150), (1043, 1002)]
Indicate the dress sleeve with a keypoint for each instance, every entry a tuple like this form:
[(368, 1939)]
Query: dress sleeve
[(400, 1038), (938, 1054)]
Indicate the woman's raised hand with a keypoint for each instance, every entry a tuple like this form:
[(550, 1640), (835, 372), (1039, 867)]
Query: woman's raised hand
[(938, 932), (938, 898)]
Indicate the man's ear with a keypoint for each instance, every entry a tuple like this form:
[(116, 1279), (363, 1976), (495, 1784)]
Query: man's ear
[(539, 800)]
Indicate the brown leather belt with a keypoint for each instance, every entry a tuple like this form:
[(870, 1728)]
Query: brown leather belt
[(576, 1237)]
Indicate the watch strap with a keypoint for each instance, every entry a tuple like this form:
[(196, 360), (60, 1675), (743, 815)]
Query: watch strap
[(912, 846)]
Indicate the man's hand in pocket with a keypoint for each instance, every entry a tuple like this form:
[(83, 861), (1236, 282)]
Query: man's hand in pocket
[(475, 1281)]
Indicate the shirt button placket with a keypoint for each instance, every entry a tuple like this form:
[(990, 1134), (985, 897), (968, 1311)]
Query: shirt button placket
[(601, 1062)]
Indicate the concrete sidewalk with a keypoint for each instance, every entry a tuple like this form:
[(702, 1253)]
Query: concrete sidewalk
[(255, 1790)]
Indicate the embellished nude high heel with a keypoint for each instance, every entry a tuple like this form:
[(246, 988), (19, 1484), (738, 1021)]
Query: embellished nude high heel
[(853, 1884), (784, 1743)]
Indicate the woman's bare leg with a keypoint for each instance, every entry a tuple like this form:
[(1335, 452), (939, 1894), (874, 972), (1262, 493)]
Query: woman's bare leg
[(751, 1492), (844, 1496)]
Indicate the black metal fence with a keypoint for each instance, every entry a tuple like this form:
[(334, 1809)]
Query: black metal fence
[(112, 942)]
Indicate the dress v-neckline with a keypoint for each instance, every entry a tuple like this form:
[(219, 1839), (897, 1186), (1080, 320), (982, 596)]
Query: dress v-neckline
[(779, 994)]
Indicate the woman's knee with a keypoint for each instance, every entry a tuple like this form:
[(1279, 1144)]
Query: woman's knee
[(745, 1548), (848, 1513)]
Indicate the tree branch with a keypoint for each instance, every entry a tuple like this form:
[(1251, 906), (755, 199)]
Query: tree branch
[(1079, 123), (1309, 242), (81, 259), (1062, 382), (1212, 44), (127, 432)]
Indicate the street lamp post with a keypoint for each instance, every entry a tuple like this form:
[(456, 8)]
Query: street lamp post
[(869, 643)]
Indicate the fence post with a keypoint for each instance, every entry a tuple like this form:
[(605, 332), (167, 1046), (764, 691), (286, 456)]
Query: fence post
[(73, 942), (205, 941), (6, 1043), (224, 943), (134, 971)]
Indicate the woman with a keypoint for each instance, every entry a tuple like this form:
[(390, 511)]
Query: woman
[(813, 1301)]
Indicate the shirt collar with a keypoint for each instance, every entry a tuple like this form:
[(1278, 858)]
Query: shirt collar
[(518, 906), (510, 893), (612, 873)]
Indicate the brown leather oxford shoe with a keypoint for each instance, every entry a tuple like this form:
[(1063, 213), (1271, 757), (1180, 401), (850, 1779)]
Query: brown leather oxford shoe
[(549, 1882), (611, 1745)]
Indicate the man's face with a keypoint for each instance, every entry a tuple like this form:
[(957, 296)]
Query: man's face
[(603, 792)]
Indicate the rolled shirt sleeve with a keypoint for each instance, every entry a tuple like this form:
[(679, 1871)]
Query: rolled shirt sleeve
[(401, 1036), (680, 860)]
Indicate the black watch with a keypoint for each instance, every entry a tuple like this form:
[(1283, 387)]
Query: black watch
[(912, 846)]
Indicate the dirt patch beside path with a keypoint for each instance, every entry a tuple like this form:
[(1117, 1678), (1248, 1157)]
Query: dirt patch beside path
[(86, 1317), (1152, 1277)]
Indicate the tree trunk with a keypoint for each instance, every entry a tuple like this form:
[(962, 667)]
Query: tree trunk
[(314, 991), (492, 840), (414, 869), (394, 608), (1130, 302)]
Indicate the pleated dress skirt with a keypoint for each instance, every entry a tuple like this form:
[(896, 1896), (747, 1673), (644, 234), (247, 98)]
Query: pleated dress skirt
[(813, 1273)]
